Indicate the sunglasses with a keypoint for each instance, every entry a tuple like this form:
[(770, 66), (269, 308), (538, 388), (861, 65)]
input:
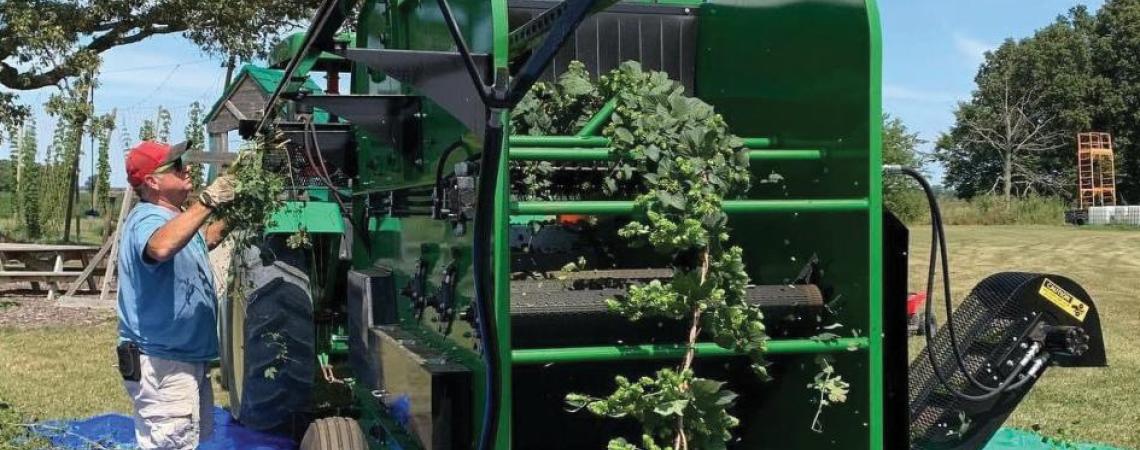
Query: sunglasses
[(174, 166)]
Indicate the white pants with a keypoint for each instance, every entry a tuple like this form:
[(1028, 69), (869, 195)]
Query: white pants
[(173, 404)]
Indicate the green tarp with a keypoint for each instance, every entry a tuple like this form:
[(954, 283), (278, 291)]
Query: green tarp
[(1013, 439)]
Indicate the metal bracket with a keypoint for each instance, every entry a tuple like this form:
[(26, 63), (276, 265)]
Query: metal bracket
[(416, 289), (456, 202), (444, 300), (379, 115), (393, 120), (439, 76), (329, 17)]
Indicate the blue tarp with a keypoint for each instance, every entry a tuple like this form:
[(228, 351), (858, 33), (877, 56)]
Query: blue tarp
[(117, 431)]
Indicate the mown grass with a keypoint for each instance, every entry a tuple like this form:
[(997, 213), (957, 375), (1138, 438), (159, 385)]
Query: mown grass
[(1106, 262), (64, 372)]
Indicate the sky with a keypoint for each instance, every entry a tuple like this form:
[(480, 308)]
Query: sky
[(931, 51)]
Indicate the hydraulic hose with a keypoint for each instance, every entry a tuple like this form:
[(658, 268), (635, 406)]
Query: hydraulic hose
[(938, 249), (484, 276), (437, 192)]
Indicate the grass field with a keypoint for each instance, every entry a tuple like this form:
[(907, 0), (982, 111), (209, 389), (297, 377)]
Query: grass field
[(66, 372)]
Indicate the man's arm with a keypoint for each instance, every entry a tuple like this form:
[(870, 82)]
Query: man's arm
[(215, 232), (169, 239)]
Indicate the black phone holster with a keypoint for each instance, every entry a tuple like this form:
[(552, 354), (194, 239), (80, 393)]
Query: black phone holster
[(129, 366)]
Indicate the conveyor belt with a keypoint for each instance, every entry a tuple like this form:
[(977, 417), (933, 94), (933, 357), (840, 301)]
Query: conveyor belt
[(572, 309)]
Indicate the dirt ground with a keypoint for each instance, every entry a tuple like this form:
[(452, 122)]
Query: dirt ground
[(24, 308)]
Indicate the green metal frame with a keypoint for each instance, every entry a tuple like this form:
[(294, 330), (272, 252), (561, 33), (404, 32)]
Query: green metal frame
[(811, 102), (857, 136), (313, 216), (677, 351)]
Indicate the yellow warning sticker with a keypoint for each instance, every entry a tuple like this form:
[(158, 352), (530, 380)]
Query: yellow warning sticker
[(1063, 299)]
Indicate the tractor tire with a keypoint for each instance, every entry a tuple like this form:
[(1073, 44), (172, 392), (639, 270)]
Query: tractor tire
[(268, 339), (334, 433), (220, 259)]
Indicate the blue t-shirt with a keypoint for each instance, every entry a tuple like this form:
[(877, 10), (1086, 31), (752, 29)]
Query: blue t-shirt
[(167, 308)]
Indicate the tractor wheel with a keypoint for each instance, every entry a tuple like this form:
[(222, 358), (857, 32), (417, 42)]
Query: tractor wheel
[(334, 433), (220, 259), (270, 360)]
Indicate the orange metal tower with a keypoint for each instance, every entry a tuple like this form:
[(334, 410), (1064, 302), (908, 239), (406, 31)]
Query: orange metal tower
[(1096, 176)]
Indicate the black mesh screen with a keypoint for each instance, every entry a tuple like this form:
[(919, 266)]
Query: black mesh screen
[(986, 323), (660, 37)]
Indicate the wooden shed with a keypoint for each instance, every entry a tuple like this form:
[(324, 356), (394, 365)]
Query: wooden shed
[(245, 98)]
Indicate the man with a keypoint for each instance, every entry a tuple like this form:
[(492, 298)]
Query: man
[(167, 328)]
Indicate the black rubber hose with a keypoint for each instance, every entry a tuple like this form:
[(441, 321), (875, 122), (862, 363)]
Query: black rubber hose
[(937, 237), (484, 276), (438, 192)]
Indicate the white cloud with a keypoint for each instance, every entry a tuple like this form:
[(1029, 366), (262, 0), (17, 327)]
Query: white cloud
[(972, 49), (906, 94)]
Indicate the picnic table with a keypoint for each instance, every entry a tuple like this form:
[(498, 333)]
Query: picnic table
[(49, 264)]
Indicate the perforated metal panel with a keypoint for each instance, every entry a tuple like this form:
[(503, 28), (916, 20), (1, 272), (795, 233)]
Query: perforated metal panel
[(988, 321), (660, 37)]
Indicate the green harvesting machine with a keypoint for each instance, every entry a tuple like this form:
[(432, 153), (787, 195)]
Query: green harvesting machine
[(405, 297)]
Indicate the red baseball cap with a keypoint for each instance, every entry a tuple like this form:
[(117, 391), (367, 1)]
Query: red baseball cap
[(147, 156)]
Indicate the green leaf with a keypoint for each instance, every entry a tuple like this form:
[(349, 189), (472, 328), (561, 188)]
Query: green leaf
[(577, 401), (653, 153), (671, 200), (673, 408), (611, 185), (825, 337), (705, 387), (623, 135)]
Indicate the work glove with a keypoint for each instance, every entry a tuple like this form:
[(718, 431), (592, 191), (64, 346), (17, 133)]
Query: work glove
[(218, 193)]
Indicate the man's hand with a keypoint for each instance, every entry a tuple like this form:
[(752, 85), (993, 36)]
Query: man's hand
[(218, 193)]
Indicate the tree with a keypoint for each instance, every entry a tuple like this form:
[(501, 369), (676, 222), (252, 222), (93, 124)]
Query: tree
[(11, 116), (900, 146), (147, 131), (1117, 47), (195, 133), (1013, 129), (163, 133), (74, 109), (103, 129), (53, 179), (1017, 132), (44, 42), (8, 174), (29, 183), (23, 143)]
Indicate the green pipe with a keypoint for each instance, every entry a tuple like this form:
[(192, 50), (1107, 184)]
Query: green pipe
[(595, 124), (560, 154), (757, 142), (559, 141), (600, 141), (785, 155), (730, 206), (606, 154), (671, 351), (501, 271)]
